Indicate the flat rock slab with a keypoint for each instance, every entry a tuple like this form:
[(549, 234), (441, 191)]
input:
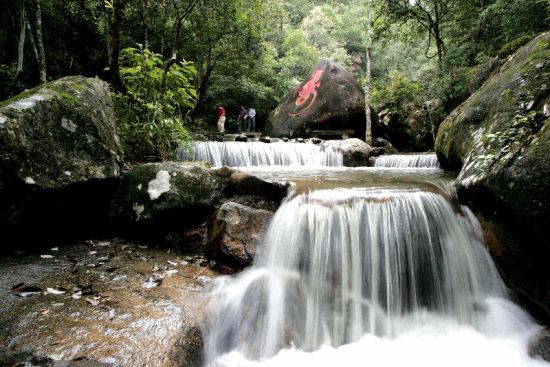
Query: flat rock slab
[(123, 304)]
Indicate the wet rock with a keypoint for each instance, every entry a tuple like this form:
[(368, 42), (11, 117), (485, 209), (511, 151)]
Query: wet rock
[(499, 141), (265, 139), (224, 171), (378, 151), (241, 138), (128, 326), (331, 99), (356, 152), (59, 160), (236, 233), (383, 143), (539, 345), (245, 184)]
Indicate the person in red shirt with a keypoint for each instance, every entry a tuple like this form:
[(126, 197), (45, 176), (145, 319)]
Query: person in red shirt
[(221, 119)]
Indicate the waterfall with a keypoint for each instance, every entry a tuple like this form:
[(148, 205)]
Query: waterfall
[(238, 154), (407, 161), (348, 269)]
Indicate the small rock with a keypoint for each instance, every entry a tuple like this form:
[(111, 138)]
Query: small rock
[(227, 270), (265, 139), (241, 138), (224, 171), (539, 345)]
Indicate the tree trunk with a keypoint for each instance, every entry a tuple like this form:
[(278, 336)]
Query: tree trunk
[(40, 44), (144, 9), (368, 126), (21, 40), (114, 67), (164, 15), (107, 14), (31, 38), (203, 87)]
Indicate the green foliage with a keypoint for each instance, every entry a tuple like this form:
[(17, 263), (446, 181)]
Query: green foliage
[(152, 114), (396, 92)]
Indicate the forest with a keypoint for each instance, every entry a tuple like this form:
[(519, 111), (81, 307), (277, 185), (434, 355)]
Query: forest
[(171, 62)]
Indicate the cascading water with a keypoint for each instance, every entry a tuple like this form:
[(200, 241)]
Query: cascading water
[(407, 161), (238, 154), (368, 277)]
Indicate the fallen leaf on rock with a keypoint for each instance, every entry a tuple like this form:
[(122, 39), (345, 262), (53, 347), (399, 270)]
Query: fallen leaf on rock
[(45, 312), (93, 301), (56, 357), (54, 291), (152, 282), (169, 273), (47, 256), (173, 263), (120, 278), (25, 290)]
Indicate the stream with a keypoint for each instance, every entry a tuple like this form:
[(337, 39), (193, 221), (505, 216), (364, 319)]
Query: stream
[(374, 266)]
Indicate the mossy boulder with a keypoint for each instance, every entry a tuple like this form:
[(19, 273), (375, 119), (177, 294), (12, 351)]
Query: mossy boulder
[(157, 191), (60, 157), (163, 202), (60, 133), (499, 142)]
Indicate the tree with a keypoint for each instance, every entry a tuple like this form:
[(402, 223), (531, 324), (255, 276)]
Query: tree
[(430, 14), (368, 46), (117, 7), (40, 43)]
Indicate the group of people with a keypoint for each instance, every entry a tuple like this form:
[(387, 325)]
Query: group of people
[(247, 119)]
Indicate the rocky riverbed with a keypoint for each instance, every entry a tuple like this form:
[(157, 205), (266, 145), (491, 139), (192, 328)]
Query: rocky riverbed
[(107, 302)]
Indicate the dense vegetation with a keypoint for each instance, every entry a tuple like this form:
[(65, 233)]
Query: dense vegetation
[(171, 62)]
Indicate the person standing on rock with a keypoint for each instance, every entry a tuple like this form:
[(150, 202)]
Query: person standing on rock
[(221, 119), (251, 123), (242, 118)]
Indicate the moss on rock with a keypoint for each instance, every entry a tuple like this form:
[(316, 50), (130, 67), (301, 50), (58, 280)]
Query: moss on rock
[(499, 141)]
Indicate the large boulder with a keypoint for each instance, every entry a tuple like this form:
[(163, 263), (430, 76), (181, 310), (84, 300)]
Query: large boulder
[(165, 201), (60, 153), (499, 141), (331, 99), (356, 153), (173, 203)]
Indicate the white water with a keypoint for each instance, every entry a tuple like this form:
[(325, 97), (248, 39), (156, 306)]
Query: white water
[(368, 277), (407, 161), (239, 154)]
